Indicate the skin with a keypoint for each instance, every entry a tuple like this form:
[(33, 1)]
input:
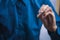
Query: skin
[(47, 17)]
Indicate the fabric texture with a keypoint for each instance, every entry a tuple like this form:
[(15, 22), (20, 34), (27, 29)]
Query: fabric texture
[(18, 19)]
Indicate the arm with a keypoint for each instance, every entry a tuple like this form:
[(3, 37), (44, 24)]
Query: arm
[(55, 35)]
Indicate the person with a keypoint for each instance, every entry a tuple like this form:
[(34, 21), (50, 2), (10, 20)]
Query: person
[(20, 19)]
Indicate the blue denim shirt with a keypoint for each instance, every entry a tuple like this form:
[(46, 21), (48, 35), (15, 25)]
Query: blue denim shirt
[(18, 19)]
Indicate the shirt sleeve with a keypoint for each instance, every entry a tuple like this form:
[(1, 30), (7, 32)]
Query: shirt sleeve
[(55, 35)]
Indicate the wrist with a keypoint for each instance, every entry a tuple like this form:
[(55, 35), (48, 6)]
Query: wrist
[(53, 29)]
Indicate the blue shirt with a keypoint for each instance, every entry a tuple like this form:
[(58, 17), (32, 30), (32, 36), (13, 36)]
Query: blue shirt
[(18, 19)]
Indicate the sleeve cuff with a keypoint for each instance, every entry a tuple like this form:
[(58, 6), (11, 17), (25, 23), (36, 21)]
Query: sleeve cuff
[(55, 35)]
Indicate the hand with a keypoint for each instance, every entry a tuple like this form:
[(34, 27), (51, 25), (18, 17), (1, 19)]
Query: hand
[(47, 17)]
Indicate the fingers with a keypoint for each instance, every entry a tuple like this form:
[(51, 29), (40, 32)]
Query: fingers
[(48, 9), (43, 19), (47, 17), (42, 13), (42, 10), (50, 18), (48, 13)]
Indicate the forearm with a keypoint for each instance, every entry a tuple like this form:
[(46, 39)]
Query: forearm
[(55, 35)]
